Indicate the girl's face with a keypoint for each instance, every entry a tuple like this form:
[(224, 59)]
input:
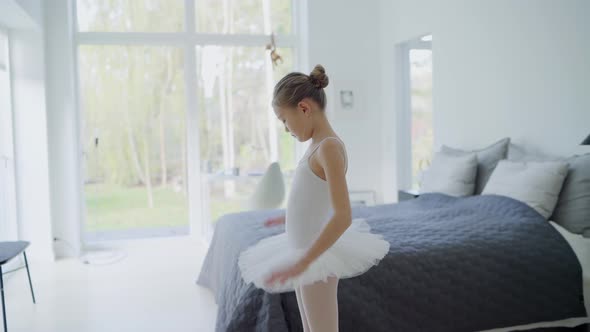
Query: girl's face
[(297, 120)]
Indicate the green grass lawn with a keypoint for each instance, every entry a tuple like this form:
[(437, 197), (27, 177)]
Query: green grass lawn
[(115, 207), (112, 207)]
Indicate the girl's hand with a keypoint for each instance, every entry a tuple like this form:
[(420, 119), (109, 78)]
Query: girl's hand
[(289, 272), (274, 221)]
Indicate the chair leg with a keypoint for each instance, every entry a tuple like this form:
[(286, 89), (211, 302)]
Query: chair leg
[(3, 305), (29, 274)]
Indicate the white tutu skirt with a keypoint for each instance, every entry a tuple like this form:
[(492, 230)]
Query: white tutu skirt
[(355, 252)]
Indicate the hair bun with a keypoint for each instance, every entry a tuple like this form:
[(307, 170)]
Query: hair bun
[(318, 77)]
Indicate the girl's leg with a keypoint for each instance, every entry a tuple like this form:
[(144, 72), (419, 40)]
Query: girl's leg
[(321, 305), (302, 310)]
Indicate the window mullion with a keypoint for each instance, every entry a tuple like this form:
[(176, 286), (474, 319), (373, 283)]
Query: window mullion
[(196, 218)]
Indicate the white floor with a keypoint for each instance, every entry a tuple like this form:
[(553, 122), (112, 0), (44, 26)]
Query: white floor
[(151, 289)]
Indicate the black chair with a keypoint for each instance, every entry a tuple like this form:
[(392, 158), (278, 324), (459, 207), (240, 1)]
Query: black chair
[(8, 251)]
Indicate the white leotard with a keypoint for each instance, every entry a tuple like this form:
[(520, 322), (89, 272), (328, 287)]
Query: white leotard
[(309, 206)]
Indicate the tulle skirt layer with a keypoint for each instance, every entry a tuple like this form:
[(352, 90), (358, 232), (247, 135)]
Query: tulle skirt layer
[(355, 252)]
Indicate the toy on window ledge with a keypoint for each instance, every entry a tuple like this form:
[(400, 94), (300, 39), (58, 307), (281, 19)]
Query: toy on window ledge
[(274, 56)]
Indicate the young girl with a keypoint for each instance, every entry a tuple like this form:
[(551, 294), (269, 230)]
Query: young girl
[(322, 243)]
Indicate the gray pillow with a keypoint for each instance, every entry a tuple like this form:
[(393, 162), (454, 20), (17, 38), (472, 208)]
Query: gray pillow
[(573, 207), (487, 159), (451, 175), (536, 183)]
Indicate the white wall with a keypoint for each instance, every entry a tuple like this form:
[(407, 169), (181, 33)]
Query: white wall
[(30, 127), (62, 129), (344, 38), (45, 126), (34, 9), (527, 78), (13, 16), (8, 213), (388, 117), (500, 68)]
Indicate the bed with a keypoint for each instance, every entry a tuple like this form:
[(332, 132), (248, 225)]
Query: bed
[(478, 263)]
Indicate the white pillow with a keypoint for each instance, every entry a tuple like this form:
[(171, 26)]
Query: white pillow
[(451, 175), (536, 183)]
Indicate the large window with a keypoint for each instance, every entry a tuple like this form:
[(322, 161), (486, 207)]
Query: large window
[(176, 120)]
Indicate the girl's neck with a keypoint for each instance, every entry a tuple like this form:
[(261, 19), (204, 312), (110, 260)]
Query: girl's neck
[(321, 130)]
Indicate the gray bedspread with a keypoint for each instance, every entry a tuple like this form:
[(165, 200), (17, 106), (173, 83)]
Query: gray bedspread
[(455, 264)]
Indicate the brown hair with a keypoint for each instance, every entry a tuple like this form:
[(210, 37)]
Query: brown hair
[(292, 88)]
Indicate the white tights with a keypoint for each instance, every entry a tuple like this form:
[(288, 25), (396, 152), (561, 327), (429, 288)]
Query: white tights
[(318, 305)]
